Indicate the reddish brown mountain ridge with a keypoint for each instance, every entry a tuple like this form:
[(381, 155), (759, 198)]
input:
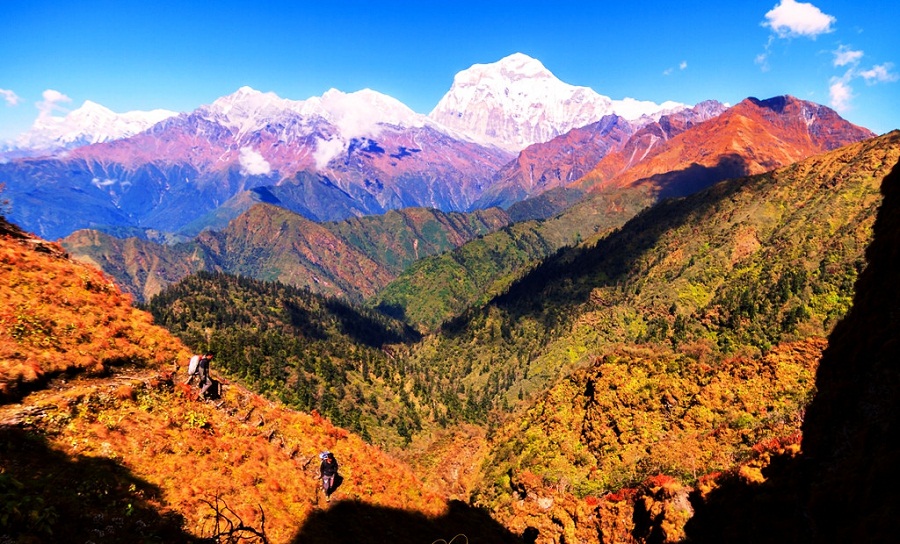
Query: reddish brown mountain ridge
[(752, 137), (570, 156)]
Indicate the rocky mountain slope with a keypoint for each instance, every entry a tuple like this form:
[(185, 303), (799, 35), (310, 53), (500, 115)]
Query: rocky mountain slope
[(566, 159)]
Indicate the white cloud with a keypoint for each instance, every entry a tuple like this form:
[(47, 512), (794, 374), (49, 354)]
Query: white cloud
[(791, 19), (844, 56), (681, 66), (51, 102), (327, 150), (763, 58), (839, 87), (841, 93), (10, 97), (252, 163), (879, 74)]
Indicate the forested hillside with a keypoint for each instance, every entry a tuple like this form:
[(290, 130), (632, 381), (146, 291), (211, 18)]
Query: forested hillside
[(689, 386), (441, 287), (736, 269), (57, 318), (636, 366), (352, 258), (677, 156), (308, 351)]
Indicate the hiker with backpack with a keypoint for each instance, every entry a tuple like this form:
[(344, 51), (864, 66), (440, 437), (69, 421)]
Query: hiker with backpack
[(327, 472), (198, 367)]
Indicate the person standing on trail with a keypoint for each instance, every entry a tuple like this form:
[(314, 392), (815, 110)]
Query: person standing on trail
[(327, 471), (203, 374)]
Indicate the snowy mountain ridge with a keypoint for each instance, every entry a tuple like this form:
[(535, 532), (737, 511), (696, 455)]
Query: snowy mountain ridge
[(509, 104), (516, 102), (89, 124)]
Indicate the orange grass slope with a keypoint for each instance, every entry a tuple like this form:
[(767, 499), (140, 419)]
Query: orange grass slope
[(57, 317), (100, 440), (255, 457)]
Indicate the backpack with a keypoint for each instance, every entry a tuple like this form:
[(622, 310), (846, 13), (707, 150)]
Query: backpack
[(193, 365)]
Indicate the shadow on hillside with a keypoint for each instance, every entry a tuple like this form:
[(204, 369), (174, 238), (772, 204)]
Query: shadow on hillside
[(48, 496), (19, 389), (366, 330), (353, 522), (767, 513), (695, 177), (843, 487)]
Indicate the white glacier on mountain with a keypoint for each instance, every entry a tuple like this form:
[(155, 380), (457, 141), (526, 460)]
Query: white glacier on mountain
[(358, 114), (516, 102)]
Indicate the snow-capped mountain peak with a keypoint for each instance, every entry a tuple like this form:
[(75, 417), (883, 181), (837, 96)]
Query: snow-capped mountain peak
[(247, 109), (359, 113), (516, 102), (515, 67), (89, 124), (354, 114)]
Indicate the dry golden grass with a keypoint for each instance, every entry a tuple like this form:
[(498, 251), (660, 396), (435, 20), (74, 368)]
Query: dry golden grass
[(58, 316)]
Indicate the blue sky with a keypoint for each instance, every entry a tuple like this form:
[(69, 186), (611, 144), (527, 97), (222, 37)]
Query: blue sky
[(181, 54)]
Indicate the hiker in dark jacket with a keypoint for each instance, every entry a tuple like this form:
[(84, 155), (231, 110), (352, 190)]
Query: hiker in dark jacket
[(327, 471), (203, 374)]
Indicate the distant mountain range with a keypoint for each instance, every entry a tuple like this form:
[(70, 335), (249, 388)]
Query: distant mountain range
[(328, 158), (375, 258), (89, 124), (343, 155)]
